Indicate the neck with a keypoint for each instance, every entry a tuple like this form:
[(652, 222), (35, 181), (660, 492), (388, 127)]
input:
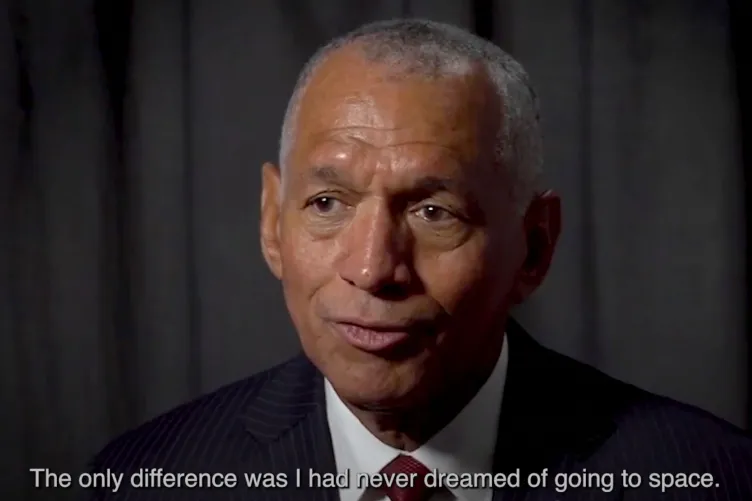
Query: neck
[(409, 428)]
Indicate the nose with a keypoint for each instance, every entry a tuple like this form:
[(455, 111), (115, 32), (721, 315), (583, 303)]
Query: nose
[(374, 258)]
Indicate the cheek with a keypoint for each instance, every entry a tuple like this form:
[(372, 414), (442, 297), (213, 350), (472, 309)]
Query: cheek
[(307, 268), (303, 275), (307, 264), (470, 277)]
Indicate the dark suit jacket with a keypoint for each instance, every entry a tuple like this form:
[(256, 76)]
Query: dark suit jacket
[(557, 414)]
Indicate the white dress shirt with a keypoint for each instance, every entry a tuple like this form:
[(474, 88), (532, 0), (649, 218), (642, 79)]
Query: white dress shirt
[(465, 446)]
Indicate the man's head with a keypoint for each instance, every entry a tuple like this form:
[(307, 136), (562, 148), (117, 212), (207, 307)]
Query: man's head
[(405, 218)]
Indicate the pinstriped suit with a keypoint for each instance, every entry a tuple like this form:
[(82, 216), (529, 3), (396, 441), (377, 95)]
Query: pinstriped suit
[(557, 413)]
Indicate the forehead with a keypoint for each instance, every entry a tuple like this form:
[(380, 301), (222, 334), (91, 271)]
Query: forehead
[(383, 107)]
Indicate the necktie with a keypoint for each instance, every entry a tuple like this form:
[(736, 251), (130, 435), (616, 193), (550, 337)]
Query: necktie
[(415, 491)]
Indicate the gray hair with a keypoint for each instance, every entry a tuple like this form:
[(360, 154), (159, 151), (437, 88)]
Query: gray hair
[(437, 49)]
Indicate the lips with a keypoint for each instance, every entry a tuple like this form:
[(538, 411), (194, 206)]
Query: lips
[(373, 338)]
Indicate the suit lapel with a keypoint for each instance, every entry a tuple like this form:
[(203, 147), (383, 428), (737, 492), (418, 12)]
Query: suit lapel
[(548, 416), (288, 420)]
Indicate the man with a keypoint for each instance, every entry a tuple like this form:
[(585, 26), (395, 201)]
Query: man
[(404, 220)]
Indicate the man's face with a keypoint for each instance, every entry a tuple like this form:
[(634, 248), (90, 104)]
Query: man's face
[(392, 230)]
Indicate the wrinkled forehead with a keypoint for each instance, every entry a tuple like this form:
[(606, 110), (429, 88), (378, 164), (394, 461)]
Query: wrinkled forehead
[(349, 93)]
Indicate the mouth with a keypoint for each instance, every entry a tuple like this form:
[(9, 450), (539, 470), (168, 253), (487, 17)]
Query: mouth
[(375, 338)]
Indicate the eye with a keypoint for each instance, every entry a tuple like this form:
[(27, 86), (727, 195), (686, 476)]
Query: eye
[(324, 204), (433, 213)]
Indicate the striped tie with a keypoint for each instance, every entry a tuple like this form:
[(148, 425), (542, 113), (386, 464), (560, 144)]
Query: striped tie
[(416, 490)]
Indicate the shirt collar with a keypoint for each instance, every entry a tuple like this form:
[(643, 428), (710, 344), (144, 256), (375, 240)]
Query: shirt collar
[(465, 446)]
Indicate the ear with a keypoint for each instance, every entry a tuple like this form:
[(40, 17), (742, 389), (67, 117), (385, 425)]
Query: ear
[(542, 226), (271, 198)]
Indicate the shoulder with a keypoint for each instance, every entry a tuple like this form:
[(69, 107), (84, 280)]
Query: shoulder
[(655, 431), (683, 434), (635, 426), (675, 447), (207, 426)]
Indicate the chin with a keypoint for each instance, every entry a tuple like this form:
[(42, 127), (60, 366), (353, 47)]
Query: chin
[(376, 400), (376, 384)]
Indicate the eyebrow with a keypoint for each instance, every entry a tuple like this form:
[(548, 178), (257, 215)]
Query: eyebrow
[(426, 184), (435, 184), (327, 174)]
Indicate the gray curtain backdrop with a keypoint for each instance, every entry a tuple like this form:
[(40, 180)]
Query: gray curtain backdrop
[(131, 137)]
